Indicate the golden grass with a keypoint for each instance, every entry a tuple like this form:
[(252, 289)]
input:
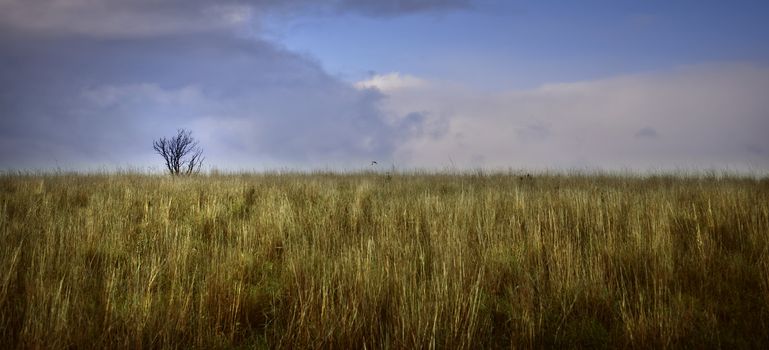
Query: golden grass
[(370, 260)]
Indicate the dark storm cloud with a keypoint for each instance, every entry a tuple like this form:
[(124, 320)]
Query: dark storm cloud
[(755, 149), (86, 82), (120, 18), (82, 101)]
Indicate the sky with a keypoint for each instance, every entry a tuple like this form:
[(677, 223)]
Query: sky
[(412, 84)]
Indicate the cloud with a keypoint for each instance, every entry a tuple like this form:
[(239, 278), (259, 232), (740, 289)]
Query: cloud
[(712, 116), (390, 82), (115, 18), (142, 18), (84, 103), (755, 149), (91, 82), (646, 133), (386, 8), (533, 132)]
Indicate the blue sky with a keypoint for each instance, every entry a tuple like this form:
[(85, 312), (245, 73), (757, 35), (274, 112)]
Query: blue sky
[(508, 44), (642, 85)]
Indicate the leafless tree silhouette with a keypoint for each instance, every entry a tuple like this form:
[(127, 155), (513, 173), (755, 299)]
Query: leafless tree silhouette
[(182, 154)]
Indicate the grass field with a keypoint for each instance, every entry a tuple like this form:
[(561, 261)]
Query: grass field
[(368, 260)]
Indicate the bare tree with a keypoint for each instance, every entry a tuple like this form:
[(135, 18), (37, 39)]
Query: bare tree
[(182, 154)]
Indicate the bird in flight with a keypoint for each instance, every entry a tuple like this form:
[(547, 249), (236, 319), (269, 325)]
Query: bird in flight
[(373, 162)]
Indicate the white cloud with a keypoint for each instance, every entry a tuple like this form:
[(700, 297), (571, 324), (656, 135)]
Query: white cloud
[(391, 82), (705, 116)]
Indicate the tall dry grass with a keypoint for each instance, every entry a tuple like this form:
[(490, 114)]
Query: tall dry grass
[(383, 261)]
